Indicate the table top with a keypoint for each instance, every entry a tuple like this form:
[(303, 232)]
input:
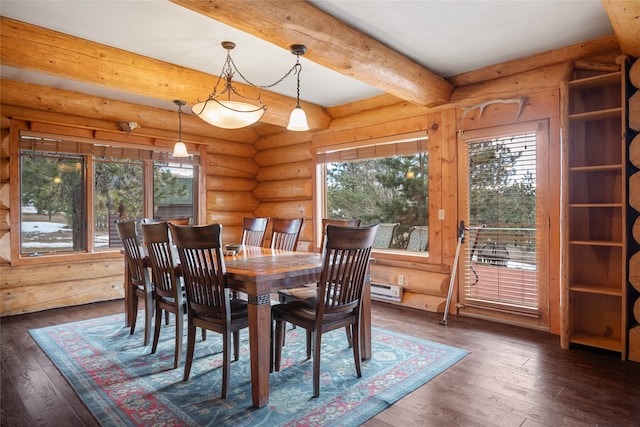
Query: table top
[(253, 260), (266, 268)]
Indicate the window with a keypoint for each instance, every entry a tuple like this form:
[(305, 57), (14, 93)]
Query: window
[(52, 205), (72, 193), (173, 190), (385, 183), (117, 194)]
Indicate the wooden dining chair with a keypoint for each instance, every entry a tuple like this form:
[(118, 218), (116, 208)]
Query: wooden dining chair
[(140, 285), (285, 233), (178, 221), (310, 291), (209, 302), (167, 289), (254, 231), (345, 263)]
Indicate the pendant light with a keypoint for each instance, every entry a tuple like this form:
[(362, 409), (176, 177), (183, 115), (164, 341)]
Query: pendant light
[(226, 108), (180, 149), (298, 118)]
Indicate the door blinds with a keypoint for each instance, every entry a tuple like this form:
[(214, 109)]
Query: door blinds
[(500, 260)]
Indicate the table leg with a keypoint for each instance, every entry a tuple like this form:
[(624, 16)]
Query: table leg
[(260, 347), (365, 323)]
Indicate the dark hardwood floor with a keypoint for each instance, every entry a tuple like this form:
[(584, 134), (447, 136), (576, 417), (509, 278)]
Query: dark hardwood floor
[(512, 376)]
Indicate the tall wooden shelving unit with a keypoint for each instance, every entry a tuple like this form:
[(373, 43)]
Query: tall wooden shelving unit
[(594, 281)]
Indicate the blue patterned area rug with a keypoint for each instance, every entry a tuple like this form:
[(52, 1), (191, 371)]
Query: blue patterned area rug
[(124, 385)]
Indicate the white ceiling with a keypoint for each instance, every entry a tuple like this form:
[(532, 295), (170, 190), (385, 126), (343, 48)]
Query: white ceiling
[(446, 37)]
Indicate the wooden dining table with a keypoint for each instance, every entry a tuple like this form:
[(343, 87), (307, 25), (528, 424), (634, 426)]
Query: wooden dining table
[(261, 272)]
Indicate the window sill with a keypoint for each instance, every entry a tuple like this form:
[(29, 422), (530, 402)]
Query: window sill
[(400, 255), (66, 258)]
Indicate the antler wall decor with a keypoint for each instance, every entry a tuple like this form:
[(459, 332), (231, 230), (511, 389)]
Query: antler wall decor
[(520, 101)]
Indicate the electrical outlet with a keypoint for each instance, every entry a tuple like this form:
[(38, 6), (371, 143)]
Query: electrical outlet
[(400, 280), (441, 214)]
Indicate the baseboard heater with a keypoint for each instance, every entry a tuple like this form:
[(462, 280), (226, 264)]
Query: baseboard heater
[(385, 292)]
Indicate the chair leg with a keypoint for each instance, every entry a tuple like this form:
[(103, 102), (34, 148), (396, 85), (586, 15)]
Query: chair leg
[(226, 362), (356, 348), (316, 363), (278, 344), (284, 337), (236, 346), (347, 330), (178, 351), (166, 317), (191, 344), (156, 329), (134, 314), (148, 317), (271, 346), (309, 343)]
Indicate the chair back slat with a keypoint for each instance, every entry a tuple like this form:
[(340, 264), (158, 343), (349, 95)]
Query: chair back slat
[(254, 231), (132, 251), (285, 233), (203, 269), (345, 262), (163, 261)]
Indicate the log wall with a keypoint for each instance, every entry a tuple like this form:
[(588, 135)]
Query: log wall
[(230, 183), (284, 181)]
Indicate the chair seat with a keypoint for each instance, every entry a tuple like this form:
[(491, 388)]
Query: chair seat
[(309, 292), (239, 308), (302, 310)]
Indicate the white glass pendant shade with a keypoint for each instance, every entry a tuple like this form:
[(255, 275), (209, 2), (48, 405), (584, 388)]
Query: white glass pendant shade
[(298, 120), (180, 150), (228, 114)]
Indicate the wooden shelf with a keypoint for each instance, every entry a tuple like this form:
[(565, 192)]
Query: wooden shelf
[(596, 168), (596, 81), (595, 205), (596, 243), (599, 290), (595, 179), (611, 113), (596, 341)]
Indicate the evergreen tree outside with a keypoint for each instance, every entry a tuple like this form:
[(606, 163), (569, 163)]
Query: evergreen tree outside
[(118, 190), (49, 181), (173, 186), (502, 191), (53, 191), (386, 190)]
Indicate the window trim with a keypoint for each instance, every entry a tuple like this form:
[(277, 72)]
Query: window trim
[(84, 137)]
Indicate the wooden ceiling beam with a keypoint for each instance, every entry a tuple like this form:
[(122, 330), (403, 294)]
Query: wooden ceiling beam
[(625, 20), (517, 66), (59, 101), (37, 49), (331, 43)]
